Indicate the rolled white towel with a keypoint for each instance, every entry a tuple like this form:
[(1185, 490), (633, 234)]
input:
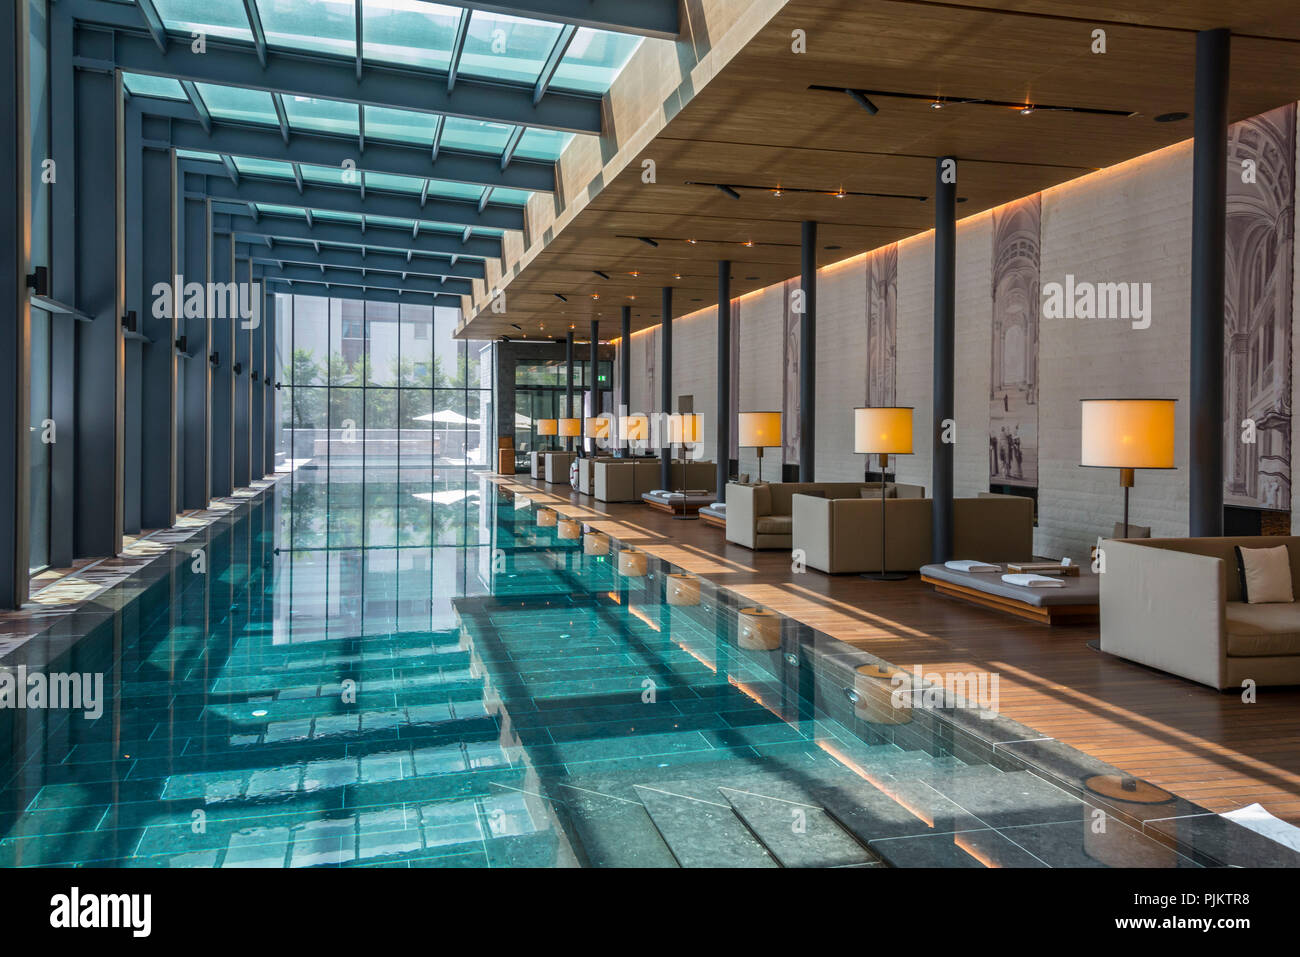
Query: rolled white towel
[(1033, 581)]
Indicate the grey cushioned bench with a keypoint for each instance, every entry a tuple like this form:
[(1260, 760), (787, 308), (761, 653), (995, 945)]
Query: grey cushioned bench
[(1075, 602)]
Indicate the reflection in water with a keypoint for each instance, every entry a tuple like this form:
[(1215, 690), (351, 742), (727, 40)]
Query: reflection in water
[(518, 696)]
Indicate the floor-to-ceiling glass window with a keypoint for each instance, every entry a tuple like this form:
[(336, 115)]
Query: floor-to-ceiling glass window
[(381, 425)]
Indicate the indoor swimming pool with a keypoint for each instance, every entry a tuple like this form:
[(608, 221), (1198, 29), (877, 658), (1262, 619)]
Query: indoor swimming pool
[(533, 694)]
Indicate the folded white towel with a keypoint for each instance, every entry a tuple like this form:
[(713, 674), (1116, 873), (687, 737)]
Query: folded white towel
[(967, 565), (1033, 581), (1255, 817), (718, 506)]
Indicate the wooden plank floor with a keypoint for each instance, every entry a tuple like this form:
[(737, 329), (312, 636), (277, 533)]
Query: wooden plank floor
[(1208, 747)]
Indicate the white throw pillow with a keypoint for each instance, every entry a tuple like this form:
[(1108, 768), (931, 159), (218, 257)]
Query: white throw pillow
[(1265, 574)]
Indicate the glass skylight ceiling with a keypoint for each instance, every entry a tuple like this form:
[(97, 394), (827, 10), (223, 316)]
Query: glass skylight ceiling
[(416, 33)]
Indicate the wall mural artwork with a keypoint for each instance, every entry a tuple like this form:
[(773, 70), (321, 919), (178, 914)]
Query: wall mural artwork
[(652, 391), (1258, 310), (1013, 385), (790, 384), (882, 326)]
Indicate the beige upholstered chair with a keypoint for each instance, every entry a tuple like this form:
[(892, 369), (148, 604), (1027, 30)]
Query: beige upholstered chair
[(1176, 604), (759, 516)]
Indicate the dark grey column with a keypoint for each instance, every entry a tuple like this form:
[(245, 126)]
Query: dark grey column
[(625, 366), (724, 377), (270, 320), (568, 381), (808, 354), (243, 371), (256, 388), (100, 294), (133, 366), (666, 381), (15, 313), (221, 266), (945, 344), (158, 500), (195, 325), (1209, 212), (594, 373)]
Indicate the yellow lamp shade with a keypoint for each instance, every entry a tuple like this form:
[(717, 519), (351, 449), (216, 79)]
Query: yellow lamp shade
[(634, 428), (548, 426), (1128, 433), (597, 427), (570, 427), (883, 430), (760, 430), (685, 427)]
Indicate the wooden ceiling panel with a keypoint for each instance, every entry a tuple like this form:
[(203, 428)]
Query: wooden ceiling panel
[(758, 124)]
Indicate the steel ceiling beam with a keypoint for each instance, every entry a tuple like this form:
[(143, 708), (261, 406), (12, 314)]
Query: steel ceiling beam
[(321, 149), (296, 272), (392, 237), (361, 257)]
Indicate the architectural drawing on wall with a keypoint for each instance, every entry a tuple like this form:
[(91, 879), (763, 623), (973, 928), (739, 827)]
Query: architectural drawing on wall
[(790, 370), (1258, 309), (1013, 385), (651, 345), (882, 324)]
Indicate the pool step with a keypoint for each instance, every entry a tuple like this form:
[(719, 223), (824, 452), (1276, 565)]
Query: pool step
[(703, 833), (796, 834)]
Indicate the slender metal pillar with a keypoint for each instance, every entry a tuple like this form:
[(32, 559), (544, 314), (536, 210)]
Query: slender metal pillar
[(1209, 212), (156, 319), (945, 345), (724, 377), (243, 373), (271, 320), (15, 313), (100, 294), (625, 370), (256, 390), (196, 328), (666, 383), (221, 354), (808, 354), (593, 373), (568, 382)]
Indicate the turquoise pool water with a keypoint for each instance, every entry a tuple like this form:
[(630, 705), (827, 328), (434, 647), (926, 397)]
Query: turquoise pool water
[(507, 700)]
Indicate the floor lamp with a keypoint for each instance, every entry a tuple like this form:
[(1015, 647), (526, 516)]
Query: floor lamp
[(1127, 434), (570, 429), (886, 432), (685, 428), (759, 430)]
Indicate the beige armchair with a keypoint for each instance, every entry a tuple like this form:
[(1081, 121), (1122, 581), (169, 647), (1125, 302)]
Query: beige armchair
[(843, 535), (624, 480), (760, 516), (1175, 604), (557, 466), (586, 472)]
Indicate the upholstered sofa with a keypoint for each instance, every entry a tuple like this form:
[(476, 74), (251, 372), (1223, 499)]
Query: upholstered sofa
[(556, 470), (623, 480), (839, 535), (1175, 604), (759, 516)]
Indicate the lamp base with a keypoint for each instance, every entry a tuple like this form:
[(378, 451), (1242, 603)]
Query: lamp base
[(885, 576)]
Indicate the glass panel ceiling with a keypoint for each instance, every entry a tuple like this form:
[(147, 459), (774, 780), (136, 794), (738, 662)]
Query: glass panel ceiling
[(409, 32), (215, 18), (325, 116), (238, 104), (141, 84), (417, 34), (321, 26)]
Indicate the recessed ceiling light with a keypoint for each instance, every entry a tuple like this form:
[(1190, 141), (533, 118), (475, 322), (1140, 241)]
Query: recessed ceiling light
[(937, 105), (631, 297), (634, 273), (1026, 110), (1171, 117), (777, 191), (677, 275), (748, 242), (751, 279), (595, 295), (832, 247), (691, 241), (840, 194)]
